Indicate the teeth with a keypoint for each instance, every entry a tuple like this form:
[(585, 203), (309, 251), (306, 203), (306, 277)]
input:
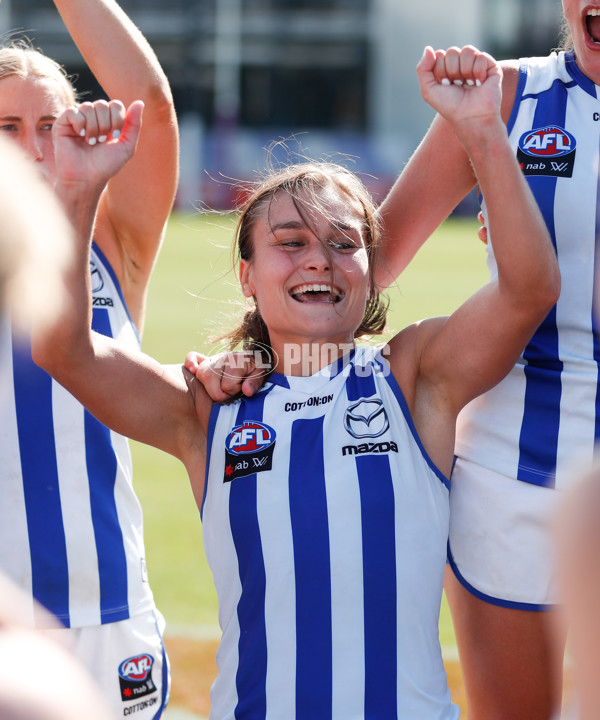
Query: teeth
[(334, 292), (593, 12), (313, 287)]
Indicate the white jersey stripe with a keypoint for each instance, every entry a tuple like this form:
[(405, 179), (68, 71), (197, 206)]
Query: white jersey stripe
[(348, 622), (68, 417), (14, 536), (280, 597)]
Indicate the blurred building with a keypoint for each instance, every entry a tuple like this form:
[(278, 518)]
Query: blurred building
[(331, 78)]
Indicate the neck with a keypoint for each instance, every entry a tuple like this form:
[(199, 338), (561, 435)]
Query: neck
[(308, 358)]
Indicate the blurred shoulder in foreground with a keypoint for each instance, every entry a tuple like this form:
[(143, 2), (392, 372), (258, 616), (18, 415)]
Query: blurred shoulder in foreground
[(39, 677), (578, 540), (35, 242)]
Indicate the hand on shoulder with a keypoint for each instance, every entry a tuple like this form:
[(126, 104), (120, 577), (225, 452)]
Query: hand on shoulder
[(227, 375)]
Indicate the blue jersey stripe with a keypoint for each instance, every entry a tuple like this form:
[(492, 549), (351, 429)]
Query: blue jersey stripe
[(595, 306), (101, 466), (360, 382), (541, 415), (379, 572), (308, 503), (379, 568), (584, 82), (35, 426), (252, 647)]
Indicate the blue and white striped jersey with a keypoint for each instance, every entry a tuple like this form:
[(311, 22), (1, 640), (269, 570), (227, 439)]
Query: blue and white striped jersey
[(70, 523), (545, 412), (325, 526)]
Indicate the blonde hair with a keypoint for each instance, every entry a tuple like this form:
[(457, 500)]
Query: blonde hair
[(302, 181), (20, 58), (565, 37)]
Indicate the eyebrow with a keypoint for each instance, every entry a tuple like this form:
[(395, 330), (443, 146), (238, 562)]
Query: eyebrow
[(288, 225), (17, 118), (298, 225)]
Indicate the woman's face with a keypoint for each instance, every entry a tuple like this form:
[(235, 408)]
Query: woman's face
[(309, 270), (584, 22), (28, 108)]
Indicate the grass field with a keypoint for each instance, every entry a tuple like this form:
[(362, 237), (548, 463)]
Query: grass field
[(194, 297)]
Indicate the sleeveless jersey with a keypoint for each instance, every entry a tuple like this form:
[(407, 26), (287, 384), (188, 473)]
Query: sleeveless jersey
[(545, 413), (70, 523), (325, 526)]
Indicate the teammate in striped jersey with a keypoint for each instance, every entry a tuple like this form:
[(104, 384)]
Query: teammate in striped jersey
[(516, 443), (325, 497), (71, 532)]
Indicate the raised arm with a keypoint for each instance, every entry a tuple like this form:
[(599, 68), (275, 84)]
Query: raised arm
[(126, 390), (134, 210), (436, 178), (457, 358)]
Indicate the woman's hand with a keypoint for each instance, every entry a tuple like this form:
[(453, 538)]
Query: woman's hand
[(227, 375), (462, 84), (94, 141)]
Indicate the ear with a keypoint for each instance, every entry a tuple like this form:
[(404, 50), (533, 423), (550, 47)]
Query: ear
[(246, 278)]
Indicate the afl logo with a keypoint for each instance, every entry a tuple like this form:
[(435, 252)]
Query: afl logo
[(249, 438), (97, 281), (548, 142), (366, 419), (136, 668), (248, 450)]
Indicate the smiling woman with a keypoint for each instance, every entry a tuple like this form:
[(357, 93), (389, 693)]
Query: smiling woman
[(324, 498), (316, 228)]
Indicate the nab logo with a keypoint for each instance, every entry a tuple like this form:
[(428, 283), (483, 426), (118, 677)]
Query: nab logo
[(136, 668), (539, 150), (250, 437), (248, 450)]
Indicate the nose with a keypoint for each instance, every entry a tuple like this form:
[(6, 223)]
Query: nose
[(317, 257), (31, 144)]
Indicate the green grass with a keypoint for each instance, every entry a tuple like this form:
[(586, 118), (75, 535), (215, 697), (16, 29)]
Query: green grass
[(193, 297)]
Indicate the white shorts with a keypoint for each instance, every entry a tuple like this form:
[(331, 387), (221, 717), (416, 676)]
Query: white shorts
[(128, 661), (501, 545)]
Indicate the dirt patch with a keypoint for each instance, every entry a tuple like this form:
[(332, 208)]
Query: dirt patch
[(193, 670), (457, 687)]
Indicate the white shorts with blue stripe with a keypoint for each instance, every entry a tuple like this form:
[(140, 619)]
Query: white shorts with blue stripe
[(501, 537)]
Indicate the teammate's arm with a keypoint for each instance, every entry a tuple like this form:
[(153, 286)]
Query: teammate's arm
[(134, 209), (436, 178), (126, 390)]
